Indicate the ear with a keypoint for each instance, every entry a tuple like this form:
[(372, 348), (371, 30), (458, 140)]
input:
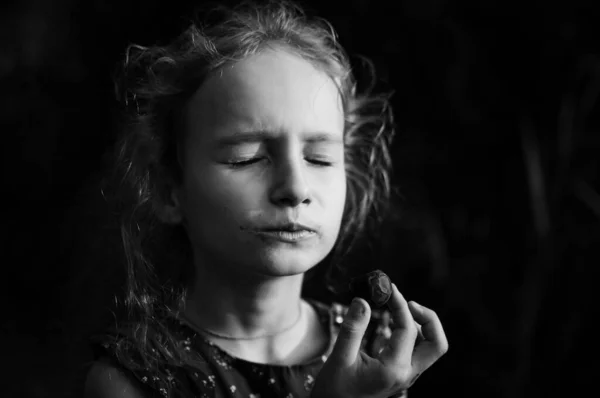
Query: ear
[(170, 211)]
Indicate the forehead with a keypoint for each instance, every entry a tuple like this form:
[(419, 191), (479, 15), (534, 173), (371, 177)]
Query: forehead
[(273, 90)]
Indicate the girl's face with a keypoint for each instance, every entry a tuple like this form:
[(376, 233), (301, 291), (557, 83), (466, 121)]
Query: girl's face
[(263, 153)]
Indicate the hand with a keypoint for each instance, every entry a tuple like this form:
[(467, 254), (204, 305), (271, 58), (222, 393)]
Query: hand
[(351, 373)]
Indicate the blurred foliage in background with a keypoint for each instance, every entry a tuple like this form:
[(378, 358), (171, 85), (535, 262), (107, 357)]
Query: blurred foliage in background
[(496, 160)]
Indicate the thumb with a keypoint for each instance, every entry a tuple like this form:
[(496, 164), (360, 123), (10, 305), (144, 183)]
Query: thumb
[(352, 330)]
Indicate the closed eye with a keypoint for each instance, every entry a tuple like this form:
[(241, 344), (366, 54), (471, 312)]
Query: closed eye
[(246, 162), (319, 162)]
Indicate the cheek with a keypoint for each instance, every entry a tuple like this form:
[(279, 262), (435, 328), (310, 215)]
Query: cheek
[(214, 192), (339, 193), (333, 194)]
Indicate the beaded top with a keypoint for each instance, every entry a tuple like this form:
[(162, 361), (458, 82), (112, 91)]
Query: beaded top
[(216, 373)]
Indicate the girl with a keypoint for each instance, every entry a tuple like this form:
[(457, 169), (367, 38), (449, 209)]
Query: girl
[(248, 159)]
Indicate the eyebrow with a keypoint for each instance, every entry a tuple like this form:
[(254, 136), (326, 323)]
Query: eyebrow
[(265, 135)]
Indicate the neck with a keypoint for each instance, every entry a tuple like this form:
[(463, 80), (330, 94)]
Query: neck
[(243, 305)]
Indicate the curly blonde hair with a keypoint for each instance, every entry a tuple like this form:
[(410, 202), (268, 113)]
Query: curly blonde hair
[(154, 84)]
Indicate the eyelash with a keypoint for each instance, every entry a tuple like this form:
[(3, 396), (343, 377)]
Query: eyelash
[(244, 162), (248, 162)]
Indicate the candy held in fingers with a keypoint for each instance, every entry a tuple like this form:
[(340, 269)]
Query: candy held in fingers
[(375, 287)]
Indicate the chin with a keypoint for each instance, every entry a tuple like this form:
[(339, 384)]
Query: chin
[(285, 262)]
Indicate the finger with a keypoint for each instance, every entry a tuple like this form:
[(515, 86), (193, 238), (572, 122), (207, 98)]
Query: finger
[(419, 332), (352, 330), (435, 344), (403, 337), (420, 337)]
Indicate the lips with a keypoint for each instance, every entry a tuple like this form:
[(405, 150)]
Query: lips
[(290, 227), (289, 233)]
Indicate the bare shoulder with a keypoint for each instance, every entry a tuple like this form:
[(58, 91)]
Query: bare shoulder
[(104, 380)]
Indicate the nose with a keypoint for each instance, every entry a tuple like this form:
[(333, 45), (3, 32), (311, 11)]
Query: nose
[(290, 187)]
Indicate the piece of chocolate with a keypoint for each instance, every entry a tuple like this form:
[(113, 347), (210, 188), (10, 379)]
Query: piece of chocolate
[(375, 287)]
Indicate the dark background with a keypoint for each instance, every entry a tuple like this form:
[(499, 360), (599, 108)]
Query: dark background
[(496, 158)]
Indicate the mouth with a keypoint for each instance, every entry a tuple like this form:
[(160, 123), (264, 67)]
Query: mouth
[(290, 233), (288, 227)]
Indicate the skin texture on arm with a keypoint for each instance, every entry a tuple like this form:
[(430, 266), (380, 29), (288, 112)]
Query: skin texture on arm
[(106, 381)]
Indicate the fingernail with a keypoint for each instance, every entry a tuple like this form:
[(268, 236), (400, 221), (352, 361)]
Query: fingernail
[(357, 308)]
